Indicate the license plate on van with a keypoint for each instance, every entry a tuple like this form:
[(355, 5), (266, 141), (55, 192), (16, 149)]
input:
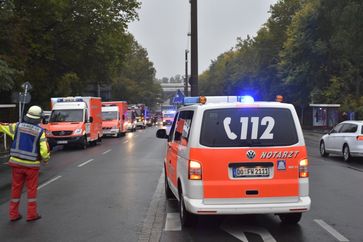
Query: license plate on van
[(250, 172), (60, 142)]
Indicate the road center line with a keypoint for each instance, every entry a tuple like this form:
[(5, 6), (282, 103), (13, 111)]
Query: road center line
[(85, 163), (48, 182), (331, 230), (126, 141), (106, 152)]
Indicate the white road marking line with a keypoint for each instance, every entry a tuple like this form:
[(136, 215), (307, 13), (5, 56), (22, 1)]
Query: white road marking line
[(48, 182), (331, 230), (85, 163), (106, 152), (238, 232), (172, 222), (126, 141)]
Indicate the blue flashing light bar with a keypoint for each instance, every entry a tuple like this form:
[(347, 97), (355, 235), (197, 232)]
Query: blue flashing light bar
[(219, 99), (245, 99), (69, 100), (191, 100)]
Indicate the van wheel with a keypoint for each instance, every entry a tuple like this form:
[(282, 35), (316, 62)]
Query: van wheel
[(84, 143), (290, 218), (323, 152), (168, 193), (187, 219), (346, 153)]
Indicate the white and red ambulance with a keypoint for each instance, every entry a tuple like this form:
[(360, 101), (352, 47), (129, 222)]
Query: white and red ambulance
[(231, 155), (114, 118), (75, 121)]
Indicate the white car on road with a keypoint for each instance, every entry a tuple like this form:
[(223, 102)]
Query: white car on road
[(346, 139)]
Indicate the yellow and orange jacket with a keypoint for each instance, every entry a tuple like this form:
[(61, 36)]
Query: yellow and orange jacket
[(10, 129)]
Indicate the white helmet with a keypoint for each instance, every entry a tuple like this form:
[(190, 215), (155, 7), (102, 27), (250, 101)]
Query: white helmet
[(35, 112)]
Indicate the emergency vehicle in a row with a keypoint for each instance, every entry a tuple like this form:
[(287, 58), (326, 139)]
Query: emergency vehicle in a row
[(231, 155), (114, 118), (75, 121), (140, 112), (167, 114)]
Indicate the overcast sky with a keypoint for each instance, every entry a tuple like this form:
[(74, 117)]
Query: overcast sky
[(164, 24)]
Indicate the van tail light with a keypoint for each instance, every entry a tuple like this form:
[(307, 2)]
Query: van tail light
[(195, 170), (304, 168), (360, 137)]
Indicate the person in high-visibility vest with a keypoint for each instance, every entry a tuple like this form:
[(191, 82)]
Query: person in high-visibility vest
[(28, 149)]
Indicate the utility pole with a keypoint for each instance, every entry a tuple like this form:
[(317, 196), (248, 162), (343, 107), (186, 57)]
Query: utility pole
[(186, 74), (194, 48)]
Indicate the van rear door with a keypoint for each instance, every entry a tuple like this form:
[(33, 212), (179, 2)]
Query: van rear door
[(250, 152)]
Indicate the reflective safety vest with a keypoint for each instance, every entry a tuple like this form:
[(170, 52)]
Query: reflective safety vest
[(26, 142)]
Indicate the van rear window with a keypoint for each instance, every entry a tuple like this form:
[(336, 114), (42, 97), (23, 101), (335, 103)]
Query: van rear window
[(244, 127)]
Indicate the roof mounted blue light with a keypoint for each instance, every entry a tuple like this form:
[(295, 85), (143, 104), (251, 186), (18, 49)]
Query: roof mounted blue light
[(245, 99), (191, 100)]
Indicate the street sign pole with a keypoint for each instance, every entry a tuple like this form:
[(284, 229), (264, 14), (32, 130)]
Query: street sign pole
[(20, 107), (23, 98), (23, 107)]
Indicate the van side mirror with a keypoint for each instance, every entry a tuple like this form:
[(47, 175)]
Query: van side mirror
[(90, 119), (161, 134), (44, 121)]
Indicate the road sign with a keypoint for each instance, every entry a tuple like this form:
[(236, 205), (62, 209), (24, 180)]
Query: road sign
[(178, 98), (17, 97), (26, 86)]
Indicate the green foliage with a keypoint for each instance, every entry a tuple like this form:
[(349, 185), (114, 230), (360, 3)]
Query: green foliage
[(62, 47), (252, 65), (7, 76), (136, 80), (307, 51)]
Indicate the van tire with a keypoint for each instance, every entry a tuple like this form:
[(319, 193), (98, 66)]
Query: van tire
[(290, 218), (323, 152), (187, 219), (346, 153), (84, 143), (168, 193)]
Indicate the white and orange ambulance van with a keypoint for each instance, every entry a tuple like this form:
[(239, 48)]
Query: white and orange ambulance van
[(75, 121), (231, 155), (114, 118)]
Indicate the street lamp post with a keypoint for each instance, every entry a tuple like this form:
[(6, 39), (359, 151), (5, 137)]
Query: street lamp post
[(194, 48), (186, 74)]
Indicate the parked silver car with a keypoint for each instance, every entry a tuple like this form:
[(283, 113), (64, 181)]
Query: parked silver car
[(346, 139)]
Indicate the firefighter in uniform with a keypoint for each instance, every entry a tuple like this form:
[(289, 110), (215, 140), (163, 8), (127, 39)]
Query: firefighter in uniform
[(28, 149)]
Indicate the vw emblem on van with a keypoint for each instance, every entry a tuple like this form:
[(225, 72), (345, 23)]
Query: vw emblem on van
[(250, 154)]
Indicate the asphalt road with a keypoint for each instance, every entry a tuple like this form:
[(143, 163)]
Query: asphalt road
[(100, 194), (114, 192)]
